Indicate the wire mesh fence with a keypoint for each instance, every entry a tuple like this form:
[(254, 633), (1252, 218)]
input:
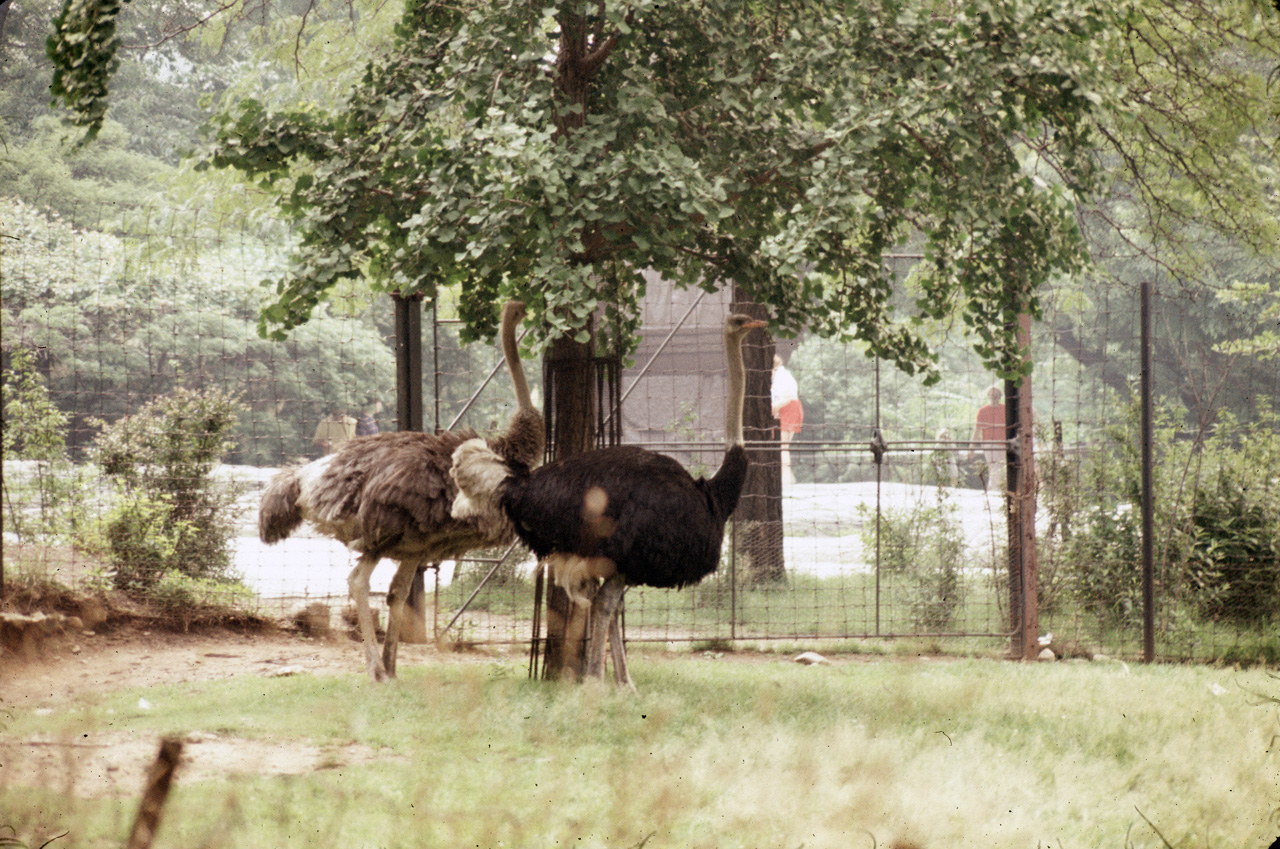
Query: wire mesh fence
[(887, 519)]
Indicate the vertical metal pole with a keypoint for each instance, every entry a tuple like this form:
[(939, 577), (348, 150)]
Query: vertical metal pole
[(877, 453), (435, 362), (408, 362), (1148, 520), (409, 418)]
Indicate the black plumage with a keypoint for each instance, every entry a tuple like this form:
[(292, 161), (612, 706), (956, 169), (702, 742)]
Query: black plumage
[(624, 514), (659, 525)]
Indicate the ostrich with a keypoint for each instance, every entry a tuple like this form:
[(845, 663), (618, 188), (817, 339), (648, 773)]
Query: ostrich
[(389, 495), (624, 514)]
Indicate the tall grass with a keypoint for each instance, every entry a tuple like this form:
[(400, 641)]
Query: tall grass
[(709, 754)]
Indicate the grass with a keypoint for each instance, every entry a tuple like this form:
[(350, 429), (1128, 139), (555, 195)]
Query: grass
[(709, 754)]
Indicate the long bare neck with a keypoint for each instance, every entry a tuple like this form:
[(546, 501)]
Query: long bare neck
[(511, 353), (737, 394)]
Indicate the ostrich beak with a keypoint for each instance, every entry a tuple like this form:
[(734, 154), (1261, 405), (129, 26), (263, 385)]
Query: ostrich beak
[(756, 323)]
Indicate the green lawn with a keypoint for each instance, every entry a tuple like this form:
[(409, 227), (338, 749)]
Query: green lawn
[(710, 753)]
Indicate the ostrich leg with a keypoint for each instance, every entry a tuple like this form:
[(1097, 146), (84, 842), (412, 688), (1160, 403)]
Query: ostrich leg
[(618, 649), (358, 586), (397, 597), (604, 609)]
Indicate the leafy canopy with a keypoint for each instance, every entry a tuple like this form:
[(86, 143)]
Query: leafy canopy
[(552, 151)]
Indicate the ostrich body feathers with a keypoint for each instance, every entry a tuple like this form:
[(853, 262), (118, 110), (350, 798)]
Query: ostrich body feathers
[(638, 511), (387, 495), (391, 495)]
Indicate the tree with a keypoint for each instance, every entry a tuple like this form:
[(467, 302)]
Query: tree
[(553, 152)]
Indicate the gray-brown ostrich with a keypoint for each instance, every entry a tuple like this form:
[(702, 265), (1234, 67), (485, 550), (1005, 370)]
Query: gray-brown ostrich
[(390, 495), (624, 514)]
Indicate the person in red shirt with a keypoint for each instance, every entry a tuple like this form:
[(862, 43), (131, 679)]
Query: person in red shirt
[(990, 429)]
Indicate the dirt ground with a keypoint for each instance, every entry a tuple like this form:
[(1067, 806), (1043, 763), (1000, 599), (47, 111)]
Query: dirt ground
[(116, 764), (79, 665)]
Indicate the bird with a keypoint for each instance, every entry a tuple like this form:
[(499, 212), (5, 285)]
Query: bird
[(623, 514), (390, 495)]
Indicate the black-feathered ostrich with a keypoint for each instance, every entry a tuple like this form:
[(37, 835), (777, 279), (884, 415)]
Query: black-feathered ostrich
[(624, 514), (390, 495)]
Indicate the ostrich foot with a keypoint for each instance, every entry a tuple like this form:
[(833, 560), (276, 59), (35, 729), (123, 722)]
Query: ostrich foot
[(377, 671)]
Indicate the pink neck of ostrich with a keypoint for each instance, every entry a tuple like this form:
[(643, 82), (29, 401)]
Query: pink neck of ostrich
[(511, 353), (736, 396)]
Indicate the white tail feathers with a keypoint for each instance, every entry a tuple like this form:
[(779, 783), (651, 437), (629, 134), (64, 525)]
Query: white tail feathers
[(574, 574), (479, 472)]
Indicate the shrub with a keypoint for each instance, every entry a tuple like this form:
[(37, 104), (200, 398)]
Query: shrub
[(170, 514), (923, 549), (187, 598), (1233, 544), (1217, 515), (44, 492)]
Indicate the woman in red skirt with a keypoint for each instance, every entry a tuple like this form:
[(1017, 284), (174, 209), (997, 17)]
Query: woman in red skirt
[(788, 411)]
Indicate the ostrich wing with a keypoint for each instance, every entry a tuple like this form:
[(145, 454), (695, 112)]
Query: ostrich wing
[(659, 527)]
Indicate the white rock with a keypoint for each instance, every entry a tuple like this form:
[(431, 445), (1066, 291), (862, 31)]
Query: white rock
[(811, 658)]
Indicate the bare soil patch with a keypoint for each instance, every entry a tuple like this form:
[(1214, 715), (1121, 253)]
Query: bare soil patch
[(131, 656)]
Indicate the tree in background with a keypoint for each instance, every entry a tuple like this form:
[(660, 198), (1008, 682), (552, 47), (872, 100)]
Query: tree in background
[(114, 322)]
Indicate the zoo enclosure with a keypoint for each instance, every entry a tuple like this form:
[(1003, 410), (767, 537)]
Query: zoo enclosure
[(912, 545)]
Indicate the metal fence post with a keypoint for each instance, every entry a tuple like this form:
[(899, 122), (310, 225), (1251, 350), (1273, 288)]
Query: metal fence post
[(1148, 521)]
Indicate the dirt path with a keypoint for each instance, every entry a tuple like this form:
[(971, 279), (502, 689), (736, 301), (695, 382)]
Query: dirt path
[(115, 764)]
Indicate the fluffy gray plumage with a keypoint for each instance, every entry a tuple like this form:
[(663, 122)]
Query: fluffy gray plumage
[(390, 496)]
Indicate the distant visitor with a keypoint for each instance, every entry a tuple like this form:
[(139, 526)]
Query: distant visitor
[(990, 430), (788, 411), (332, 432)]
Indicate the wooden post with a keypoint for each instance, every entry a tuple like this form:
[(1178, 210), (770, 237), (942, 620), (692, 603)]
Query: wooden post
[(159, 779)]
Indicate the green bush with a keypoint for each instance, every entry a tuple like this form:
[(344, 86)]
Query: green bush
[(922, 550), (170, 514), (184, 596), (1233, 543), (1217, 520), (43, 492)]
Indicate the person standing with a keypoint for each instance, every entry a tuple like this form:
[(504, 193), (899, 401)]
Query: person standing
[(332, 432), (367, 422), (787, 409), (990, 430)]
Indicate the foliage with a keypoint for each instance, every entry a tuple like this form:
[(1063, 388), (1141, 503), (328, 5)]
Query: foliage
[(553, 153), (921, 552), (1098, 548), (34, 431), (1190, 201), (1233, 549), (48, 173), (83, 52), (171, 513), (1216, 510), (188, 597), (115, 318)]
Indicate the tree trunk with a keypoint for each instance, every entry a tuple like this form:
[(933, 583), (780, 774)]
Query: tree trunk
[(569, 380), (1020, 500), (760, 509)]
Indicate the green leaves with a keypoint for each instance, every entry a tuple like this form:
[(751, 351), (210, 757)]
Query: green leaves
[(543, 153), (83, 51)]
